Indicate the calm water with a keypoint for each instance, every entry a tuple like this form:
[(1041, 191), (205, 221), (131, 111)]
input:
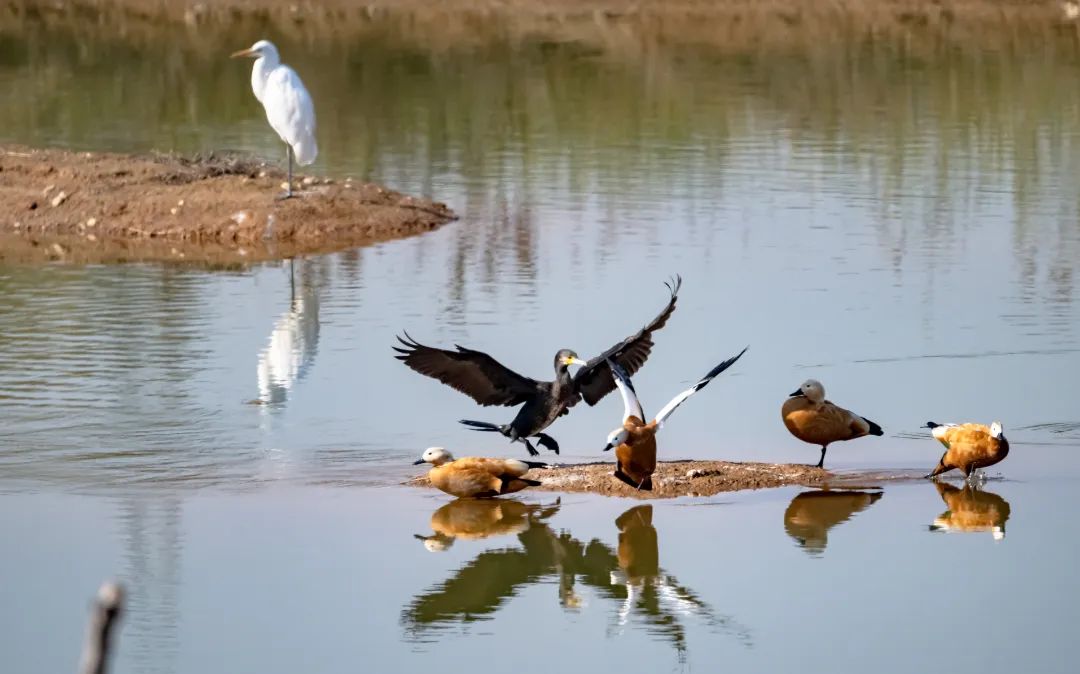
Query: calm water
[(230, 444)]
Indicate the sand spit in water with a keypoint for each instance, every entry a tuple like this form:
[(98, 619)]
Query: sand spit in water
[(674, 478), (99, 207)]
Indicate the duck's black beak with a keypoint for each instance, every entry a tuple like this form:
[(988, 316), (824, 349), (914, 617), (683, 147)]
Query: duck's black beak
[(607, 446), (797, 393), (417, 462)]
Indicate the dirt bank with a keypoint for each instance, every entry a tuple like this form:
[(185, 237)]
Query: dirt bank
[(674, 478), (97, 207), (622, 26)]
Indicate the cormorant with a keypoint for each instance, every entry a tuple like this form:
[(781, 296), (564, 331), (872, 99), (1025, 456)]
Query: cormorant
[(489, 382)]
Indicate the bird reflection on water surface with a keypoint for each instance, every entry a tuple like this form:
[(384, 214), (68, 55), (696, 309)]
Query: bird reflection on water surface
[(293, 342), (630, 576), (811, 514), (476, 519), (972, 510)]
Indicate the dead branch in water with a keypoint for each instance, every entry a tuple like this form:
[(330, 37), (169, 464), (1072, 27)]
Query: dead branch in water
[(108, 607)]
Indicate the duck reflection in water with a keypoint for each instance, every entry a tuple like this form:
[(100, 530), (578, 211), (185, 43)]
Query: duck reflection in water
[(811, 514), (652, 594), (630, 575), (971, 509), (475, 519), (293, 341)]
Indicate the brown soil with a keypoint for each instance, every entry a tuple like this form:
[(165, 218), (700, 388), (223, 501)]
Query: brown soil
[(96, 207), (674, 478)]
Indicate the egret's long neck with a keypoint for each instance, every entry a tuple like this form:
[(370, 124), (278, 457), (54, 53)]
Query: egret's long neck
[(260, 72)]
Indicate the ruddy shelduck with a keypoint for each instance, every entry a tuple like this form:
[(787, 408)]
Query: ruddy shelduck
[(811, 418), (477, 477), (971, 510), (968, 447), (635, 442)]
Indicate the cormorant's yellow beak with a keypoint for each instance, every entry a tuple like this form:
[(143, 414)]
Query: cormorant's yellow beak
[(571, 360), (243, 52)]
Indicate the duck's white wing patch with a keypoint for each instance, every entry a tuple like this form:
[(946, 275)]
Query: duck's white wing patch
[(666, 410), (631, 404), (940, 430), (515, 467)]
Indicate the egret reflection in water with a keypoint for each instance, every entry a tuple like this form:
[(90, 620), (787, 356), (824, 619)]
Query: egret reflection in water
[(630, 576), (293, 342), (971, 509), (811, 514)]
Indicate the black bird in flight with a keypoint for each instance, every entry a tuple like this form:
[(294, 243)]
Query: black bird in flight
[(489, 382)]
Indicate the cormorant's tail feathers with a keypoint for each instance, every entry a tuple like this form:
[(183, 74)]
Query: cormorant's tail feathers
[(482, 426)]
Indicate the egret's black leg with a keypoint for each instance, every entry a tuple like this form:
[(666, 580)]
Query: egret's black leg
[(288, 189), (821, 462), (547, 442)]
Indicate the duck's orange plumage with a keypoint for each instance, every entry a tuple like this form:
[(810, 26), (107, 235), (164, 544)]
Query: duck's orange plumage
[(477, 477), (968, 447), (811, 418)]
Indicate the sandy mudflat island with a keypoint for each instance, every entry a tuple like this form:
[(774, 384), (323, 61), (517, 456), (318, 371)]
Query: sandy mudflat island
[(673, 478), (102, 207)]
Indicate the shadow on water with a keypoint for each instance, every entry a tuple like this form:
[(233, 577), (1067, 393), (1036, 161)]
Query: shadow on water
[(811, 514), (971, 510), (629, 576)]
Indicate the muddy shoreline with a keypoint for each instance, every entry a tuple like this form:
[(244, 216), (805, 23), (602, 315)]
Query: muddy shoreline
[(57, 205), (673, 479)]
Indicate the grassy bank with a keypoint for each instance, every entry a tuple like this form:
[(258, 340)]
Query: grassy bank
[(610, 25)]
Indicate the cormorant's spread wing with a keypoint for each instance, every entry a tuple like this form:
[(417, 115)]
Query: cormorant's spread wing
[(594, 381), (474, 373), (679, 399), (631, 404)]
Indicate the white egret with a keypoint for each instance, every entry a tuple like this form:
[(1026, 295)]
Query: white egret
[(287, 103)]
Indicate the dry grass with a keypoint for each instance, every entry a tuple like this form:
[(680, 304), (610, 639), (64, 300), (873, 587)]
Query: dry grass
[(611, 25)]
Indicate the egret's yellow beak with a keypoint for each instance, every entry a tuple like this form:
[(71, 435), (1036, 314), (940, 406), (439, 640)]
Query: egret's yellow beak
[(243, 52)]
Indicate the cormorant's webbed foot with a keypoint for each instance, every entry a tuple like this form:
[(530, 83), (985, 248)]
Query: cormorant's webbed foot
[(547, 442), (528, 446)]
